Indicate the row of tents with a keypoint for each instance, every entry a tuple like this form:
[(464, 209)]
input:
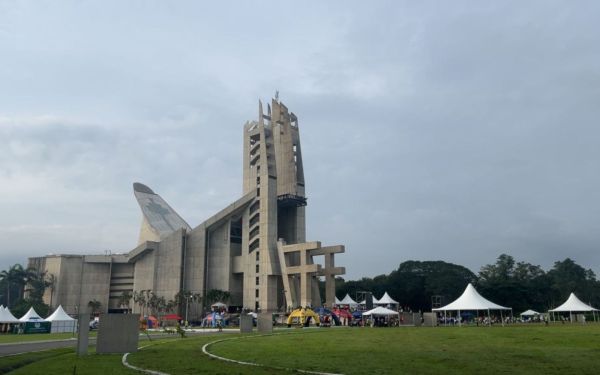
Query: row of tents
[(59, 319), (385, 300), (303, 316), (471, 300)]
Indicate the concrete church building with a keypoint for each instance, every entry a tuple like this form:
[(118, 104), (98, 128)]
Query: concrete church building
[(255, 248)]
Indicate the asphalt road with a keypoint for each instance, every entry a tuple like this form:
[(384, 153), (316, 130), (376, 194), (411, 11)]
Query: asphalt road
[(36, 346)]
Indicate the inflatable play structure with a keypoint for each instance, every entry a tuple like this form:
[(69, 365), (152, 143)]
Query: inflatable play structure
[(303, 317)]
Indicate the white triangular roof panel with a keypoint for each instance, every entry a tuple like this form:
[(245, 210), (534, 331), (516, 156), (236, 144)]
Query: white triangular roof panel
[(7, 317), (573, 304), (380, 311), (471, 300), (530, 313), (348, 301), (30, 315), (386, 300), (59, 315)]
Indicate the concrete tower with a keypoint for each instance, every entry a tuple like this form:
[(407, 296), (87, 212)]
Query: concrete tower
[(272, 166)]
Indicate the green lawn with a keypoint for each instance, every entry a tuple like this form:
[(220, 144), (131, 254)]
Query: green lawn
[(557, 349), (64, 361)]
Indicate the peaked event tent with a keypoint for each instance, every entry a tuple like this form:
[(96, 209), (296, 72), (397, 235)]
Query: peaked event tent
[(574, 304), (364, 302), (380, 311), (530, 313), (30, 315), (61, 321), (7, 317), (471, 300), (386, 300), (348, 301)]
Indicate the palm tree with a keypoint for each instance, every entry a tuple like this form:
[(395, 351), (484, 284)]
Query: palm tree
[(14, 276), (124, 299), (94, 305), (5, 277), (142, 302)]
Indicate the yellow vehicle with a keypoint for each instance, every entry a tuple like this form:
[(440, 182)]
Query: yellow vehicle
[(302, 317)]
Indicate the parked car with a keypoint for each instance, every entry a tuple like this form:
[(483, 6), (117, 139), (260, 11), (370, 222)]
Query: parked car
[(93, 324)]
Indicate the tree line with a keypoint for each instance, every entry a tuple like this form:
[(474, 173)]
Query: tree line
[(22, 288), (419, 284)]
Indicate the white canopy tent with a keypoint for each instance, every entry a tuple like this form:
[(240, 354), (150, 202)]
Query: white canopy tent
[(574, 304), (61, 322), (364, 301), (386, 300), (380, 311), (348, 301), (337, 301), (471, 300), (7, 317), (530, 313), (30, 315)]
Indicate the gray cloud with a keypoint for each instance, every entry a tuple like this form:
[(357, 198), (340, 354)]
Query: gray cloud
[(451, 131)]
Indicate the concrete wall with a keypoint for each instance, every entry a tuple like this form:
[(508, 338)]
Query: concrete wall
[(168, 266), (95, 284), (143, 274), (118, 333), (218, 257), (195, 260), (69, 288), (121, 280)]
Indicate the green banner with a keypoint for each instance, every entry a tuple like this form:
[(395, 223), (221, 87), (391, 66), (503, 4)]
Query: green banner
[(37, 327)]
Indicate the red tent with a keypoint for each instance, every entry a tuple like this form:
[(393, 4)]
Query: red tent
[(342, 313), (172, 317)]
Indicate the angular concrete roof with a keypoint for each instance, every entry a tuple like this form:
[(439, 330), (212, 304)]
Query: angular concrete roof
[(159, 217)]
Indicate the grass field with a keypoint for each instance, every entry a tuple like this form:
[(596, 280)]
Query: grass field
[(557, 349)]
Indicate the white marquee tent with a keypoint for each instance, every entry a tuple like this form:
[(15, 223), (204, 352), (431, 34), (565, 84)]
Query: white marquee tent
[(61, 322), (364, 301), (30, 315), (385, 300), (530, 313), (348, 301), (380, 311), (7, 317), (471, 300), (337, 301), (574, 304)]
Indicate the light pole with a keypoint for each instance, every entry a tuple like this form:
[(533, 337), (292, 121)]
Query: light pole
[(187, 302)]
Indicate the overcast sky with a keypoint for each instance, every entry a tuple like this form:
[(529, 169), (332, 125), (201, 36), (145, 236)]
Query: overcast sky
[(444, 130)]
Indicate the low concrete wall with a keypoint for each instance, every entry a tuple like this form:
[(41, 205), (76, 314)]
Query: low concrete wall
[(83, 334), (118, 333), (246, 324), (265, 322), (430, 319)]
